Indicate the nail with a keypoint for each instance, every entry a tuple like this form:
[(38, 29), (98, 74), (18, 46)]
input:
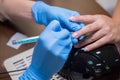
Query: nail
[(72, 18), (75, 34), (86, 49)]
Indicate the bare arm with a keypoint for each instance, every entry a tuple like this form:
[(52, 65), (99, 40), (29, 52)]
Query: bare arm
[(20, 9)]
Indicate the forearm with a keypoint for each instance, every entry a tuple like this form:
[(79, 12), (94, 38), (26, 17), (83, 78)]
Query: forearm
[(16, 9)]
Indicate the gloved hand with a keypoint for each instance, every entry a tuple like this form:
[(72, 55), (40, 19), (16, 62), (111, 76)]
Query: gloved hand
[(44, 14), (50, 53)]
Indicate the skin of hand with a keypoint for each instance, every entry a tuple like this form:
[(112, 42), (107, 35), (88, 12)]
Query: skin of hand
[(100, 29), (16, 9)]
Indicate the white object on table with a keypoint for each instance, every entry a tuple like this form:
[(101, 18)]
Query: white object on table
[(16, 36), (108, 5)]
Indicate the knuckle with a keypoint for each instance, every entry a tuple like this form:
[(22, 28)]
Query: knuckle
[(91, 27), (100, 16), (107, 29), (92, 39)]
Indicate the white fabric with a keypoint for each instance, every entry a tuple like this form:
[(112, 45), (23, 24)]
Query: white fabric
[(108, 5)]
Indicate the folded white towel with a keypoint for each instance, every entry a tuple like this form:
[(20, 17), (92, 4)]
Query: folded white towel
[(108, 5)]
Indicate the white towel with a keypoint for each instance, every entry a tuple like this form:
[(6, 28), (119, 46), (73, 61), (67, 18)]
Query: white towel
[(108, 5)]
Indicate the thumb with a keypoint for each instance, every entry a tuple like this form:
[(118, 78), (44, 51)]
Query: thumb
[(57, 30)]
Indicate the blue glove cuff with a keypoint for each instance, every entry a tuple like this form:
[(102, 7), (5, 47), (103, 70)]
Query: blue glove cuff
[(37, 9), (39, 73), (31, 74)]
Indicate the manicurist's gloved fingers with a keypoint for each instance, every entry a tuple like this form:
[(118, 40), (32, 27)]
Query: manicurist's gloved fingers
[(44, 14), (55, 28), (50, 53), (70, 25)]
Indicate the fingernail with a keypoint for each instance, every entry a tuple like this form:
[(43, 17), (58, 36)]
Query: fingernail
[(72, 18), (83, 49), (75, 34), (86, 49)]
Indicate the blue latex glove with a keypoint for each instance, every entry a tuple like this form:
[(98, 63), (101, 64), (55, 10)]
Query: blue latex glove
[(44, 14), (50, 53)]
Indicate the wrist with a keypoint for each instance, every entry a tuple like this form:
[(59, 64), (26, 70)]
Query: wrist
[(39, 10)]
